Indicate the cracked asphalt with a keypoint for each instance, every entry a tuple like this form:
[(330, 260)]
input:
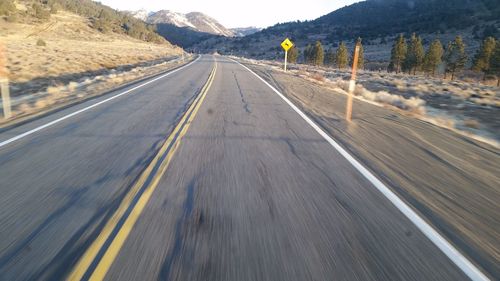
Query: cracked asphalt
[(252, 192)]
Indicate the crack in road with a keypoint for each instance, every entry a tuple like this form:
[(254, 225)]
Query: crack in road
[(246, 106)]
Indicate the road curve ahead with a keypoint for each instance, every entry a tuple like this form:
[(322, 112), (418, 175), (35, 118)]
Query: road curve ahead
[(204, 174)]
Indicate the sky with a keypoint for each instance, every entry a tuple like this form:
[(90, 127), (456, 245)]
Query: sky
[(260, 13)]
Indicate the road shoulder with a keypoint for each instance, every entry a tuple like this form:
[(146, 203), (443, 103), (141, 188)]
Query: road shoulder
[(446, 177), (76, 98)]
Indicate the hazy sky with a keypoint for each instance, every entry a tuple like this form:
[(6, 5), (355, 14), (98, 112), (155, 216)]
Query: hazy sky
[(237, 13)]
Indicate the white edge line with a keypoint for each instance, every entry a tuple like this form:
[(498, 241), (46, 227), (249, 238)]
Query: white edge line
[(25, 134), (451, 252)]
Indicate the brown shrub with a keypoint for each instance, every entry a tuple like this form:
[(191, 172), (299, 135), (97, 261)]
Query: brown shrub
[(472, 123), (318, 77), (41, 43)]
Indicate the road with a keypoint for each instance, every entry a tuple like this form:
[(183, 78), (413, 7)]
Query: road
[(243, 189)]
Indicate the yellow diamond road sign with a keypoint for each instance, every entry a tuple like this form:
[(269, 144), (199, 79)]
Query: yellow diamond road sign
[(287, 44)]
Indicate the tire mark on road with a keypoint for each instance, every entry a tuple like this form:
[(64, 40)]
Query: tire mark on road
[(180, 232)]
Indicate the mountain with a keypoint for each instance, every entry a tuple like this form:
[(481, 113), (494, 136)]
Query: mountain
[(196, 21), (140, 14), (184, 36), (377, 22), (166, 16), (244, 31), (207, 24), (374, 19)]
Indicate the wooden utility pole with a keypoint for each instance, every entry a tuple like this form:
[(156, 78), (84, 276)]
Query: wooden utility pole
[(4, 84), (352, 83)]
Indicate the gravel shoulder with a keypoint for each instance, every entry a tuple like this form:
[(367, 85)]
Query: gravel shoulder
[(450, 179)]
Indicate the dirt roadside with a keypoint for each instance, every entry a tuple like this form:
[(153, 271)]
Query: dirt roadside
[(452, 180)]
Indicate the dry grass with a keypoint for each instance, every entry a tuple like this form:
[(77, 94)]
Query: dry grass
[(71, 47), (74, 62), (62, 94), (318, 77)]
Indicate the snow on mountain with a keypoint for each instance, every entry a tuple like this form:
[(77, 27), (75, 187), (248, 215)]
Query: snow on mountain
[(140, 14), (165, 16), (208, 24), (195, 20)]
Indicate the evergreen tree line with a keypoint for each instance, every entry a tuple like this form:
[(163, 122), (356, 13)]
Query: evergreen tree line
[(316, 55), (409, 56)]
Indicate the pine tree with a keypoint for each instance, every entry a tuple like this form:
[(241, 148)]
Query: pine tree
[(308, 54), (495, 63), (434, 57), (419, 55), (361, 58), (293, 54), (305, 53), (330, 57), (415, 55), (341, 57), (455, 57), (409, 60), (398, 54), (482, 59), (319, 54)]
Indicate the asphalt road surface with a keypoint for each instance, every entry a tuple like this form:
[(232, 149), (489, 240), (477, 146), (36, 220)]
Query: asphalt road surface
[(249, 191)]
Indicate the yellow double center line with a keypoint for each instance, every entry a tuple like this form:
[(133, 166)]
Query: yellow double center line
[(109, 242)]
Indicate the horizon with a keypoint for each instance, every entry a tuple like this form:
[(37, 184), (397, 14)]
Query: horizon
[(242, 17)]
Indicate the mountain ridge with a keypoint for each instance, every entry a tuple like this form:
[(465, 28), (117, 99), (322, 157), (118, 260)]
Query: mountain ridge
[(244, 31), (197, 21)]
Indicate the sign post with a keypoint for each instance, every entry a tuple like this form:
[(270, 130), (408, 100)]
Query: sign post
[(4, 84), (352, 83), (286, 59), (286, 45)]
